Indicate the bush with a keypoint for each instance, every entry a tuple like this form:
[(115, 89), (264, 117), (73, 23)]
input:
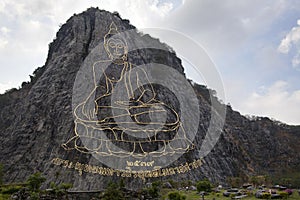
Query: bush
[(113, 192), (122, 183), (65, 186), (187, 183), (35, 181), (4, 196), (154, 190), (284, 195), (249, 194), (176, 196), (60, 189), (235, 181), (204, 186), (11, 189), (173, 183), (266, 195), (34, 196), (1, 174)]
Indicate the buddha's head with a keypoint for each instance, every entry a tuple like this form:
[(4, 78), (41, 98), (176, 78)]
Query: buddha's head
[(115, 45)]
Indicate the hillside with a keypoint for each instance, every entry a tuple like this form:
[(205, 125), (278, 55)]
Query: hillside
[(38, 118)]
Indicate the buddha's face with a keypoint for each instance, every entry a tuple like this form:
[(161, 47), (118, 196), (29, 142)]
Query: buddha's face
[(116, 48)]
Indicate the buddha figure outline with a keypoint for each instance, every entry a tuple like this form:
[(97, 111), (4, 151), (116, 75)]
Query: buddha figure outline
[(132, 122)]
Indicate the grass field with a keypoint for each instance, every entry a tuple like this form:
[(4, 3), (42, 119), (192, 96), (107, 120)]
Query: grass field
[(193, 195), (4, 196)]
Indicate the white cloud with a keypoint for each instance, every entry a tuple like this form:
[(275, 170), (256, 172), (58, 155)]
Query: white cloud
[(291, 39), (5, 86), (3, 43), (275, 101), (284, 46), (28, 27), (296, 60), (142, 13), (227, 25), (162, 9), (2, 6), (3, 37), (4, 30)]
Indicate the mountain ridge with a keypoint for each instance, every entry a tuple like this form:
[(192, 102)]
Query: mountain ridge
[(37, 119)]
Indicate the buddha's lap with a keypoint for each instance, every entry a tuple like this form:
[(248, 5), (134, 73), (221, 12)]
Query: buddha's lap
[(93, 144), (108, 131), (108, 127), (156, 112), (95, 139), (142, 114)]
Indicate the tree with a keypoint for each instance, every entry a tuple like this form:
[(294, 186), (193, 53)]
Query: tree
[(173, 183), (258, 180), (113, 192), (35, 181), (60, 190), (254, 180), (204, 186), (122, 184), (235, 181), (285, 181), (176, 196), (65, 186), (1, 174), (154, 190)]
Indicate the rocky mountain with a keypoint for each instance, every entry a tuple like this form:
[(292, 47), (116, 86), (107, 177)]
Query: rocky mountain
[(38, 118)]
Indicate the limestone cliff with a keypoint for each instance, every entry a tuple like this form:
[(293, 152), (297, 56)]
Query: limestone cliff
[(38, 118)]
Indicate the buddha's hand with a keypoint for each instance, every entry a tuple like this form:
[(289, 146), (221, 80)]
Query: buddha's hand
[(146, 96), (128, 104), (89, 110)]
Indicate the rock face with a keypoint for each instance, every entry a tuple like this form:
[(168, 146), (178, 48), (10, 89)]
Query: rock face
[(38, 118)]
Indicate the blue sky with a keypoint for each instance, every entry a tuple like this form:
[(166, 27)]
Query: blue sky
[(255, 44)]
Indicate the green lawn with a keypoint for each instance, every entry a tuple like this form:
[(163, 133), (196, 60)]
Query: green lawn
[(192, 195), (4, 196)]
